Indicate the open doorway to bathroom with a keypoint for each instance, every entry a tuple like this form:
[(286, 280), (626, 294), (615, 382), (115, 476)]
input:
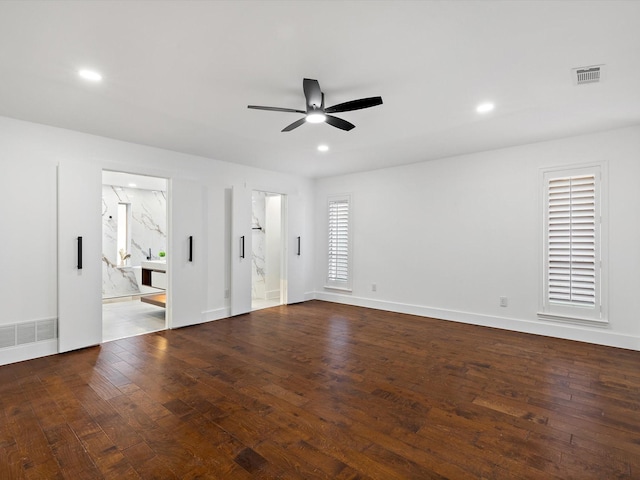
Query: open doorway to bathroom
[(134, 249), (267, 249)]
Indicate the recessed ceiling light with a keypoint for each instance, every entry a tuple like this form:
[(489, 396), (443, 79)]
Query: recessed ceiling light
[(485, 107), (133, 185), (91, 75), (323, 148)]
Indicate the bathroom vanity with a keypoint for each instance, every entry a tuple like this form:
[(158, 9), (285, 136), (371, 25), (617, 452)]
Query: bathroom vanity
[(154, 273)]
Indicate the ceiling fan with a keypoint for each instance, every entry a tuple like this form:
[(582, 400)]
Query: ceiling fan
[(317, 113)]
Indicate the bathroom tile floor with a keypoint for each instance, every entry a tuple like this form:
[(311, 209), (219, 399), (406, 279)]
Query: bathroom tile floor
[(259, 304), (128, 317)]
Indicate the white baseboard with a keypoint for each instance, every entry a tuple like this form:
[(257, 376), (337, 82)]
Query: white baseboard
[(217, 314), (581, 333), (207, 316), (306, 296), (28, 351)]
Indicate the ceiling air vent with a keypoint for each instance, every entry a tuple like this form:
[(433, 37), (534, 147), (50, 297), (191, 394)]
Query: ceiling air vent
[(584, 75)]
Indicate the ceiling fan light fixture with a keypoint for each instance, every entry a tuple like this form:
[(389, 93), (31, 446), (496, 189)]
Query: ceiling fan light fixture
[(485, 107), (90, 75), (316, 117), (315, 111)]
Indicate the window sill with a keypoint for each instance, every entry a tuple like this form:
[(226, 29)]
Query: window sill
[(550, 317), (341, 289)]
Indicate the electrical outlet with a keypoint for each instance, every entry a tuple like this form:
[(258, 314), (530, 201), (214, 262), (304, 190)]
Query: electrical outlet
[(374, 287), (226, 293), (503, 301)]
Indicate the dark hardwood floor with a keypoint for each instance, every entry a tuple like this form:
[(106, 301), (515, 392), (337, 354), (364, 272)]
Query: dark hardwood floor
[(321, 390)]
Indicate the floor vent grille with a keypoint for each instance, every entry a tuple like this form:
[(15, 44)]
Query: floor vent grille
[(28, 332)]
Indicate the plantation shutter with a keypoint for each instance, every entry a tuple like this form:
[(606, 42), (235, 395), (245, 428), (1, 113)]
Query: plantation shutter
[(338, 270), (572, 241)]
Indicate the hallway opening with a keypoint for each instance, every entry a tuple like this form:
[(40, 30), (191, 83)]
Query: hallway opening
[(134, 250), (266, 249)]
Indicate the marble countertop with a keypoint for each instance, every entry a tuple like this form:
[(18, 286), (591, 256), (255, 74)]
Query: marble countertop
[(160, 265)]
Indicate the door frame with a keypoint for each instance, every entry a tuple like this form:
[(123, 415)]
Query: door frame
[(167, 219), (283, 244), (293, 224)]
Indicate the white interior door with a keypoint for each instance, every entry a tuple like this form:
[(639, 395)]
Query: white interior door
[(79, 256), (240, 250), (187, 256), (297, 249)]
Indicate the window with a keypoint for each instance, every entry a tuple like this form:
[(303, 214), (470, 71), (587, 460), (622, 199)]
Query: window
[(123, 234), (573, 245), (339, 245)]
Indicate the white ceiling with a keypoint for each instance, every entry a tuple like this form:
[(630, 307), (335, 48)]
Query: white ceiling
[(180, 74)]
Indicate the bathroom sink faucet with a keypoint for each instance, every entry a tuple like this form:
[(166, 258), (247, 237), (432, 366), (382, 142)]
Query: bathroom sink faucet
[(149, 256)]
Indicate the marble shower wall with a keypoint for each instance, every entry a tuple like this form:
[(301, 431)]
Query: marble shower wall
[(148, 229), (273, 250), (266, 245), (258, 245)]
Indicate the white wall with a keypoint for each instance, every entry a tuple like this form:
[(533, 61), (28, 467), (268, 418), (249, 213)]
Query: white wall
[(444, 238), (447, 238), (28, 224), (29, 154)]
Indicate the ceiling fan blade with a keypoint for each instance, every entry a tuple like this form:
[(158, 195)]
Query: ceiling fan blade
[(312, 93), (295, 124), (355, 105), (339, 123), (276, 109)]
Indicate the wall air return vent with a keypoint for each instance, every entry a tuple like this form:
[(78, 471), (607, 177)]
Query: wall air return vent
[(7, 336), (24, 333), (585, 75)]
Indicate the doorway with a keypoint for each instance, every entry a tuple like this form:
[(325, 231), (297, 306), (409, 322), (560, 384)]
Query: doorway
[(267, 249), (134, 249)]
